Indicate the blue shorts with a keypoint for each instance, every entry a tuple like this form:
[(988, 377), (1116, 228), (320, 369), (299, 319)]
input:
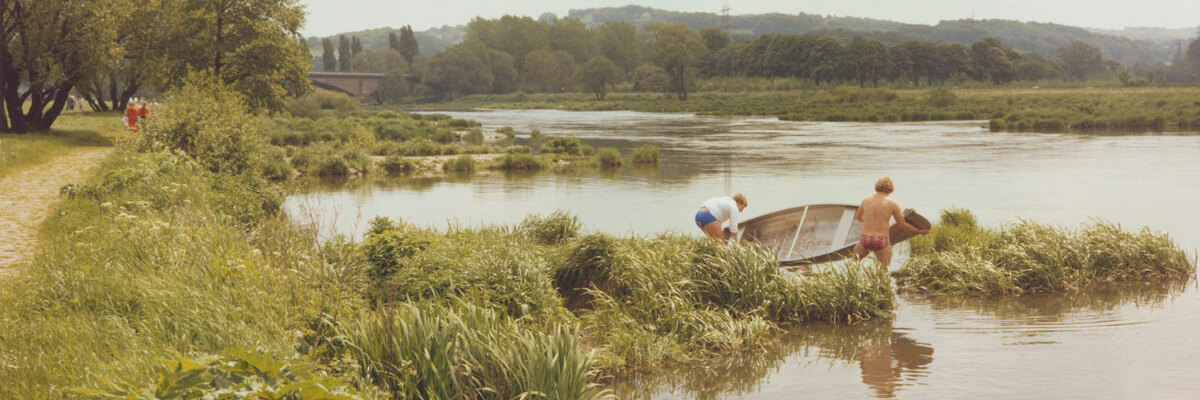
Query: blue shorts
[(704, 217)]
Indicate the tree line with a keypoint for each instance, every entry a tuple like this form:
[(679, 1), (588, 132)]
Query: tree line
[(105, 51), (554, 55)]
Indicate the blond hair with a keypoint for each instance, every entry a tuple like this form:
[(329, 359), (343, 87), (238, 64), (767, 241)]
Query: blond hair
[(884, 185), (740, 199)]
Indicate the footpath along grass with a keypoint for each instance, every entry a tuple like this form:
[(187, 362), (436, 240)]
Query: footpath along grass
[(1122, 110), (960, 257), (19, 151)]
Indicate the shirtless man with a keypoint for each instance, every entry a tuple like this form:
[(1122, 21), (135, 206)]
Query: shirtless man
[(876, 213)]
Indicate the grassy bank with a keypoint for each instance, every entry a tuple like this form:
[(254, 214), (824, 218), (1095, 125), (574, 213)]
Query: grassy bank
[(1006, 109), (960, 257), (170, 273), (71, 130)]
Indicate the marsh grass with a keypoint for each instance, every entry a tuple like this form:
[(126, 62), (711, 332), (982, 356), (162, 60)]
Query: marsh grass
[(463, 163), (609, 157), (1026, 257), (645, 155)]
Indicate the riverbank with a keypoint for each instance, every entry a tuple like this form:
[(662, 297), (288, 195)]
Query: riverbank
[(1121, 110), (33, 167)]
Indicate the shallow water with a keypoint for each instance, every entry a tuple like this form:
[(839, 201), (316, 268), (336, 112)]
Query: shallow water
[(1121, 342)]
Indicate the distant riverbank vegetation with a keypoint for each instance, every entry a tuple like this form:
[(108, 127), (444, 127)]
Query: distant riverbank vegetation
[(326, 134), (514, 62), (961, 257)]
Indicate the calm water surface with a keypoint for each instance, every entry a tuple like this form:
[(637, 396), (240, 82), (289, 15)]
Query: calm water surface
[(1131, 341)]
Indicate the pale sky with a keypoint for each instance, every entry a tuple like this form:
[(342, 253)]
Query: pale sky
[(328, 17)]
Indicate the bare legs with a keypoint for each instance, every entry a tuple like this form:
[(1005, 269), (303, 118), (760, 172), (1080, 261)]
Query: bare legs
[(713, 230), (883, 256)]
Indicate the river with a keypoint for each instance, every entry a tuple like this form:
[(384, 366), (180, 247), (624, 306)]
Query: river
[(1128, 341)]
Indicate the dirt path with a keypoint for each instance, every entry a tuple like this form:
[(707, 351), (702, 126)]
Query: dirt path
[(27, 196)]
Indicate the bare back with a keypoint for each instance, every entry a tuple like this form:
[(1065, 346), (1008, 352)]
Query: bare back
[(876, 213)]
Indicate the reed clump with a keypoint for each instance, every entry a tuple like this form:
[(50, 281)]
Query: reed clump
[(645, 155), (962, 258)]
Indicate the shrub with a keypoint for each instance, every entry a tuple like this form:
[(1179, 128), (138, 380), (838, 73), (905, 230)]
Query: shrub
[(609, 157), (463, 163), (562, 145), (645, 155), (475, 137), (558, 227), (518, 149), (275, 164), (519, 162), (396, 165), (208, 121), (388, 245), (941, 97), (507, 131), (590, 263)]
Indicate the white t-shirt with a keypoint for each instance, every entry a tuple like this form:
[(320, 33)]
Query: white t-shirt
[(725, 209)]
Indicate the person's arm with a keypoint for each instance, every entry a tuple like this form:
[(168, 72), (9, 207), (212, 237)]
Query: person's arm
[(858, 215), (896, 213)]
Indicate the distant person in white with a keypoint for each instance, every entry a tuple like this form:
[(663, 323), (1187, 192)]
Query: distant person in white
[(715, 211)]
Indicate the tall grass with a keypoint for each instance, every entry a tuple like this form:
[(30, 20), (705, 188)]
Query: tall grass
[(961, 257), (432, 352), (645, 155)]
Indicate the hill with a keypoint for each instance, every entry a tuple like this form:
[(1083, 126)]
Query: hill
[(1043, 38)]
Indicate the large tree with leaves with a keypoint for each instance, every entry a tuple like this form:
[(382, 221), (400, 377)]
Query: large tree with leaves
[(46, 47), (140, 59), (407, 44), (247, 44), (328, 56), (676, 49)]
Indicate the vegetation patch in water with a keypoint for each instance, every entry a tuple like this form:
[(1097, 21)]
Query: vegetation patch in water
[(960, 257)]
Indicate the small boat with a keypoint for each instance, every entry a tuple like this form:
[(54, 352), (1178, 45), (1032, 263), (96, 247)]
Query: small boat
[(815, 234)]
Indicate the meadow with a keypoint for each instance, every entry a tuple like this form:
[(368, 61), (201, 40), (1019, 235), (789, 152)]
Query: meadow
[(1011, 109)]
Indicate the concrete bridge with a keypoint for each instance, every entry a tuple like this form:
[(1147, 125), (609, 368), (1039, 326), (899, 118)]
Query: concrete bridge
[(355, 84)]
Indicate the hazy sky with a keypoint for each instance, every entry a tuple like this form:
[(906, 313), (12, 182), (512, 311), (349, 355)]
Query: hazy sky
[(333, 16)]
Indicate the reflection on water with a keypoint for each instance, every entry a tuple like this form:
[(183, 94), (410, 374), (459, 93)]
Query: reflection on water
[(1123, 341), (890, 357)]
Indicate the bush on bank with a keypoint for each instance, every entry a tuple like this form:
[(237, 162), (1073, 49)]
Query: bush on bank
[(959, 256)]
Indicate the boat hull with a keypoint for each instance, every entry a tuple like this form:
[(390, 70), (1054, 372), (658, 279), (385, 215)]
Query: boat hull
[(815, 234)]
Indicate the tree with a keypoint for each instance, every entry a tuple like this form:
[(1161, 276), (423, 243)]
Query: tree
[(597, 75), (548, 71), (618, 42), (991, 61), (379, 61), (138, 57), (345, 55), (247, 44), (870, 58), (355, 47), (517, 36), (328, 58), (1080, 60), (393, 41), (407, 44), (825, 56), (42, 56), (676, 49), (572, 36), (458, 71), (715, 39)]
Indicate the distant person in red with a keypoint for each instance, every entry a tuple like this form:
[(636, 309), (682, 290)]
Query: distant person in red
[(131, 117), (143, 115)]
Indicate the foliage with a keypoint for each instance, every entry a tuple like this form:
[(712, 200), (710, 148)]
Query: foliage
[(609, 157), (597, 75), (941, 97), (464, 351), (676, 49), (568, 145), (960, 257), (548, 71), (314, 105), (206, 120), (647, 154), (520, 160), (558, 227), (463, 163), (251, 48), (237, 373)]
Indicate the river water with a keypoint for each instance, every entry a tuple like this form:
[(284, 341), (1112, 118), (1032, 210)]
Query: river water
[(1128, 341)]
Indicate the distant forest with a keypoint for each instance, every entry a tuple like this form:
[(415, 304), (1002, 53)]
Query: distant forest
[(606, 47)]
